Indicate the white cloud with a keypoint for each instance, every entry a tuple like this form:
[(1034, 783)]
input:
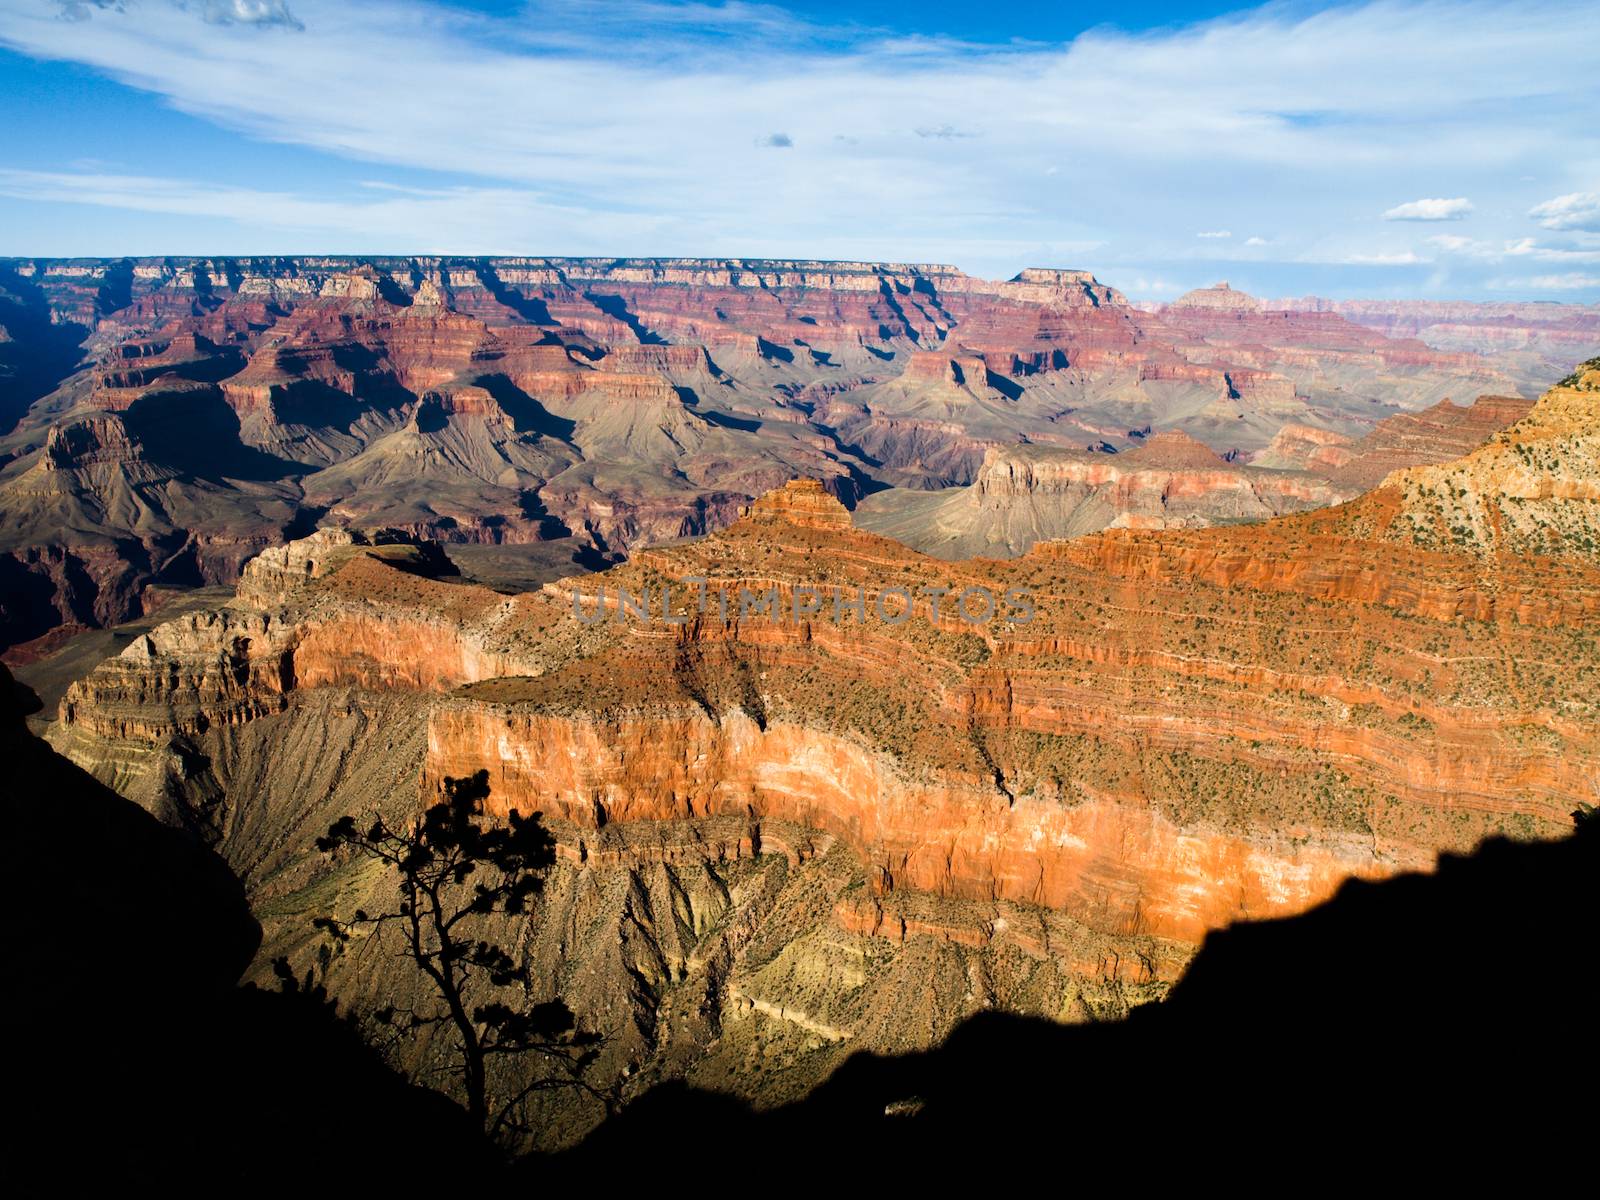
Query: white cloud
[(1576, 210), (1255, 241), (1430, 210), (1572, 281), (1215, 233), (1391, 258), (250, 12), (1523, 247)]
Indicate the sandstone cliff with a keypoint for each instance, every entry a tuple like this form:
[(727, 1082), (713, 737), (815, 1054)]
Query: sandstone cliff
[(1532, 489), (1435, 435)]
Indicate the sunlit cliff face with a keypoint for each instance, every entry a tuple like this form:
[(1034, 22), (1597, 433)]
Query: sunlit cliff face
[(1187, 728)]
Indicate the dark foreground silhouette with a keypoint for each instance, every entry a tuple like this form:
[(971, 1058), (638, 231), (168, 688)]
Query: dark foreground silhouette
[(131, 1054), (1428, 1027), (1439, 1024)]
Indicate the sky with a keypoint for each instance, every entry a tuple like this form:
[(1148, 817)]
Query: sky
[(1404, 148)]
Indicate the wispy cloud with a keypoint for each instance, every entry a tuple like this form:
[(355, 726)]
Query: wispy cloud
[(458, 220), (1401, 258), (1572, 281), (1430, 210), (1577, 210), (1215, 233), (462, 220), (652, 123), (1525, 247)]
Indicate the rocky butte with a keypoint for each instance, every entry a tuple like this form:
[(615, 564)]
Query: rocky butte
[(1028, 494), (166, 419), (785, 839)]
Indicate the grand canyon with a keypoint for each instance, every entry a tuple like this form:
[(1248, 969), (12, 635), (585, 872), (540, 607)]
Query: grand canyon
[(187, 414), (777, 596), (1305, 603)]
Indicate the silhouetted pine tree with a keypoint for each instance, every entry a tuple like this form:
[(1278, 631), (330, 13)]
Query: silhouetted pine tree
[(454, 869)]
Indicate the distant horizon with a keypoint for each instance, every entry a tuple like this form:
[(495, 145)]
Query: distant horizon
[(1388, 149), (774, 260)]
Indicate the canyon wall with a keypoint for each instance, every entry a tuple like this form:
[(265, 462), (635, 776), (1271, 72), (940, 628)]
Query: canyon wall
[(174, 416), (1534, 341)]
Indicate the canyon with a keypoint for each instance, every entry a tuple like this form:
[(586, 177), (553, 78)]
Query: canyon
[(170, 418), (854, 813), (723, 591), (1028, 493), (1539, 339)]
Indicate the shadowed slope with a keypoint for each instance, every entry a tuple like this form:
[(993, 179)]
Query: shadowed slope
[(133, 1056), (1429, 1022)]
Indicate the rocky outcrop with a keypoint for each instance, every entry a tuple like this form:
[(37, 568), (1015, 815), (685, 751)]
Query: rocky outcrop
[(1218, 296), (803, 502), (1025, 495), (1435, 435), (1298, 447), (1533, 488)]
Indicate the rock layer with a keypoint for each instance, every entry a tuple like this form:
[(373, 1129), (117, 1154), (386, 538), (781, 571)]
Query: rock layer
[(1534, 342), (792, 823), (1025, 495), (187, 412)]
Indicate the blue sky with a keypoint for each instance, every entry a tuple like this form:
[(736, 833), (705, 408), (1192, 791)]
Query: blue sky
[(1439, 148)]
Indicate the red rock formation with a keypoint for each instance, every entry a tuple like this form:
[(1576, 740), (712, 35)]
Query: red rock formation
[(777, 826), (802, 502), (788, 834), (1536, 343), (1219, 296), (1025, 495), (1190, 728), (620, 401), (1436, 435)]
